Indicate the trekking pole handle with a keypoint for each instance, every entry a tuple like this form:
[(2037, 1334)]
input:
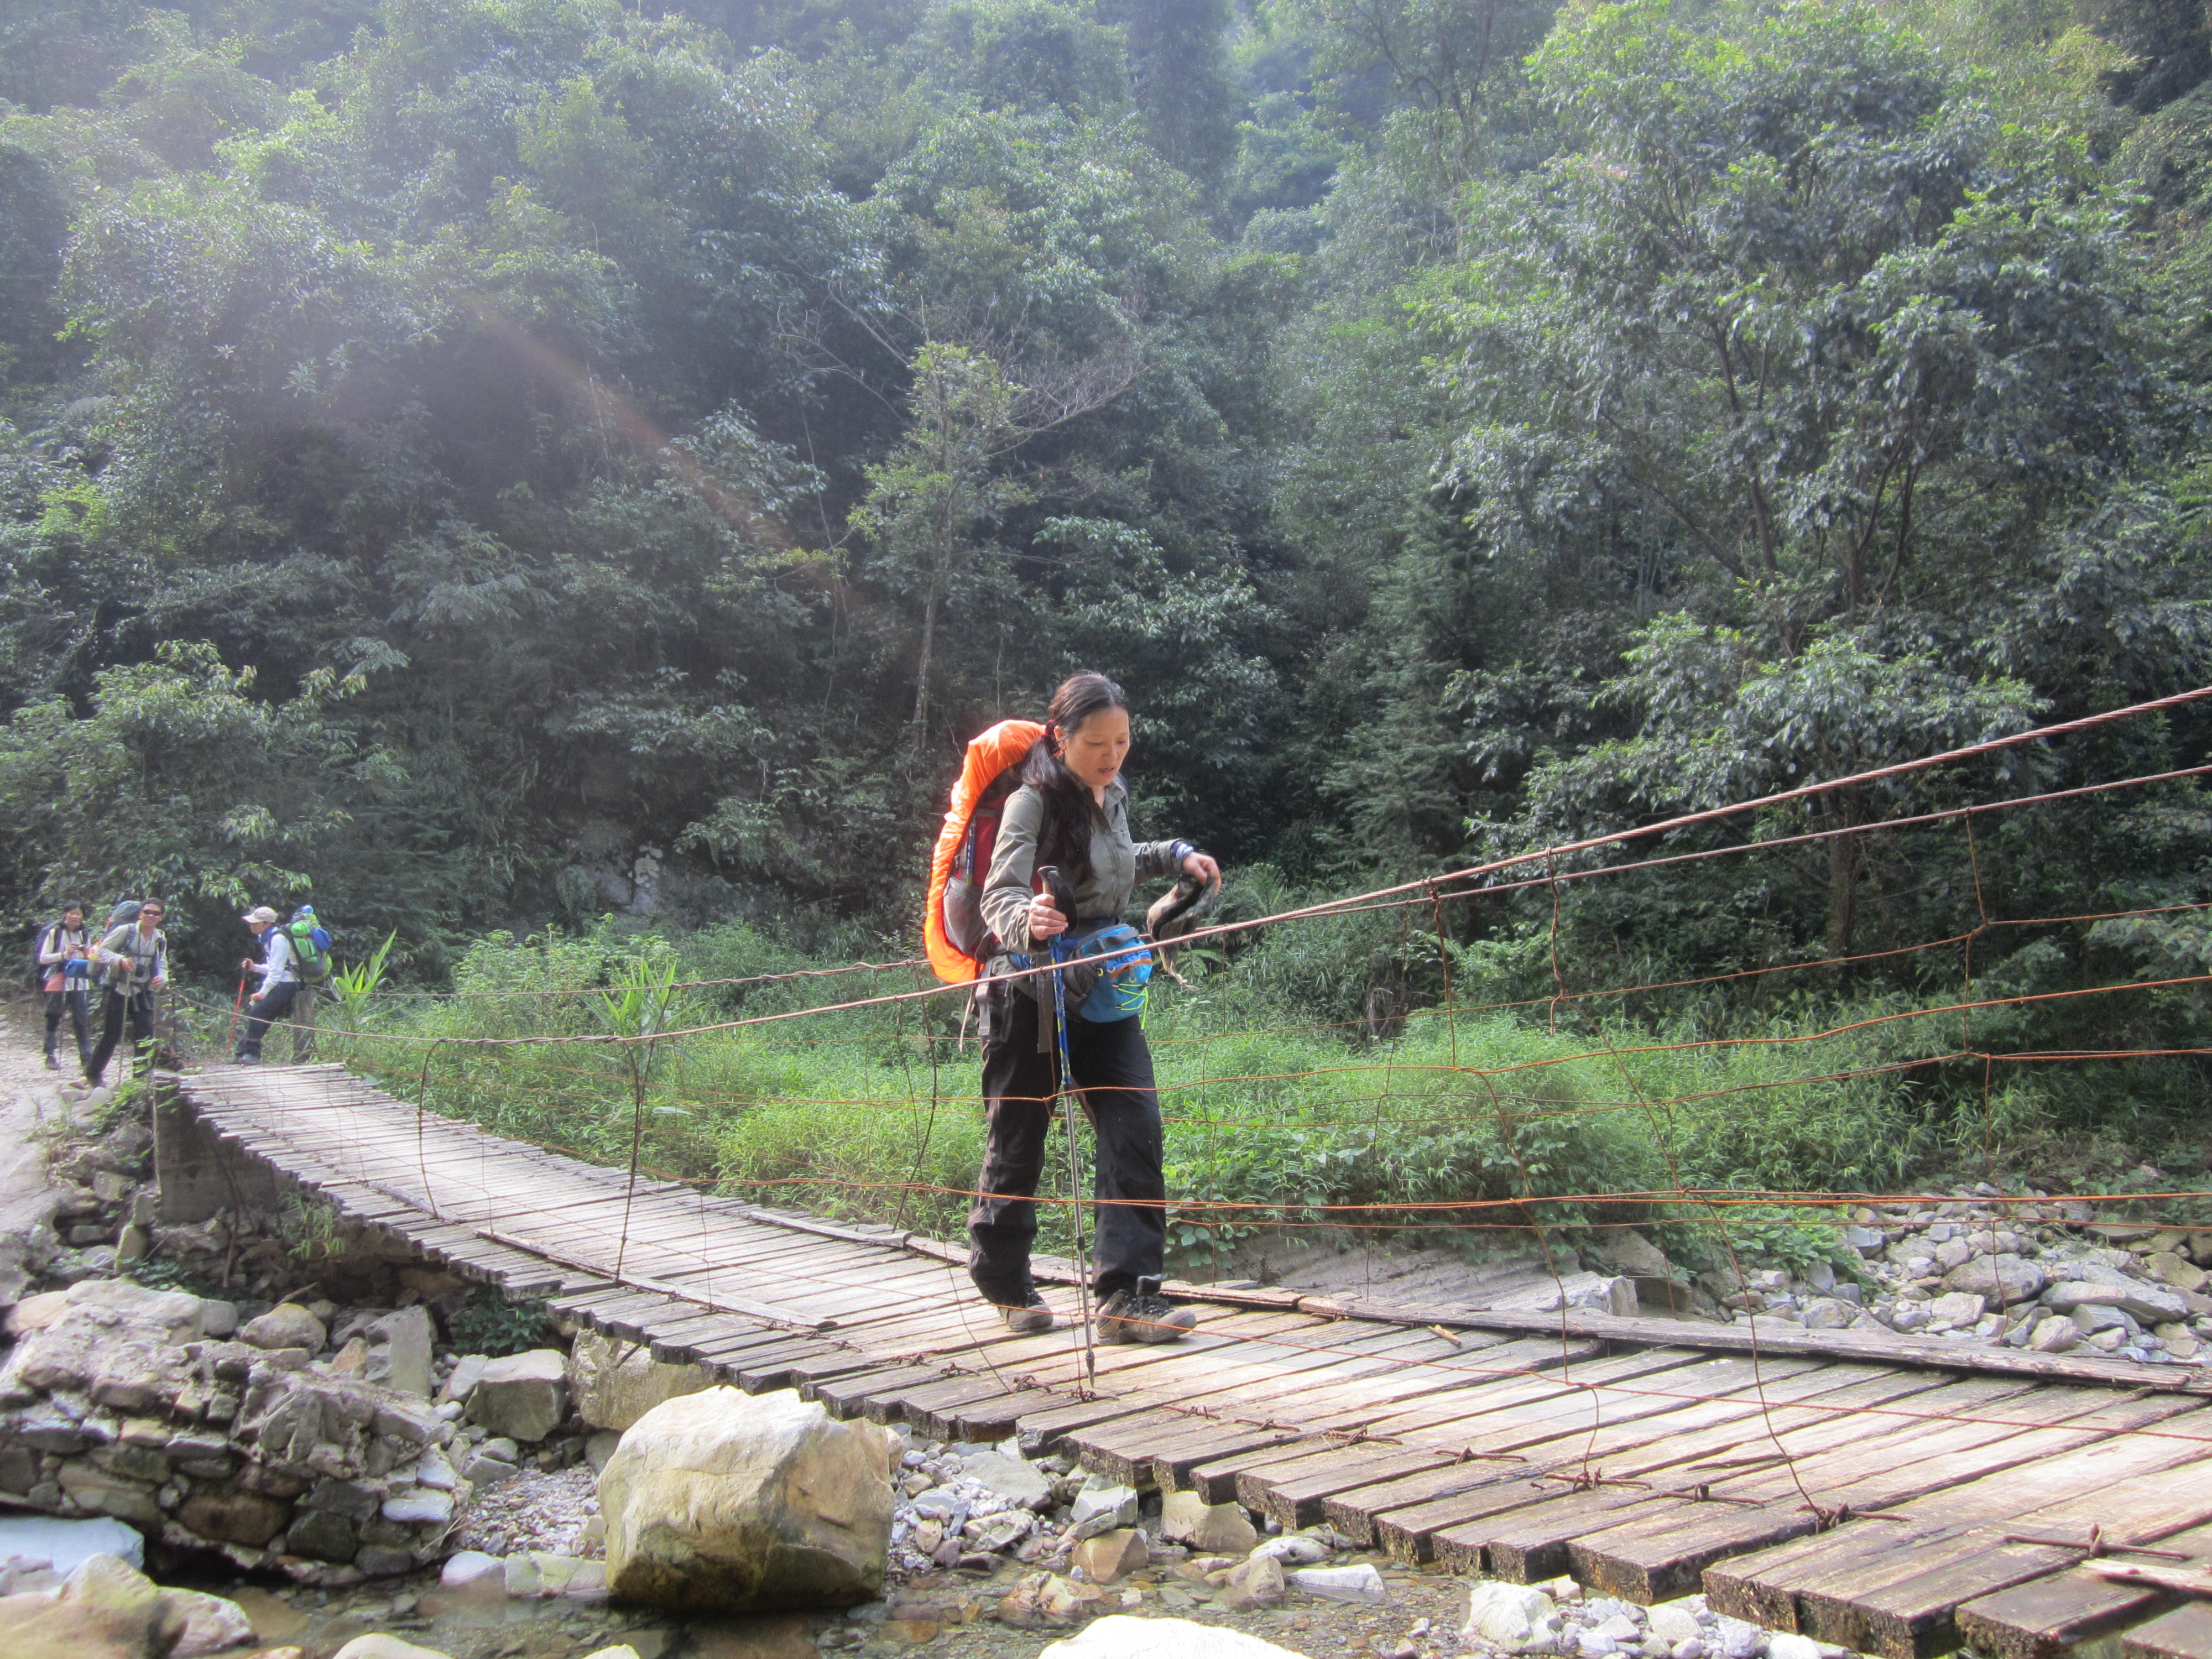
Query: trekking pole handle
[(1063, 896)]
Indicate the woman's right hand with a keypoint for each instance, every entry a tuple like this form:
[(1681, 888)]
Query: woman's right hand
[(1044, 919)]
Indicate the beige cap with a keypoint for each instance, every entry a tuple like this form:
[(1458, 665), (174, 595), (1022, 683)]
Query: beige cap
[(259, 913)]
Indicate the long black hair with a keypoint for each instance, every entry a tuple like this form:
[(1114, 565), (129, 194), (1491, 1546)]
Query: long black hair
[(1064, 838)]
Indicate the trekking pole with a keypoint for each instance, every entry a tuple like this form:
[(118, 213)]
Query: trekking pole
[(236, 1003), (1051, 877)]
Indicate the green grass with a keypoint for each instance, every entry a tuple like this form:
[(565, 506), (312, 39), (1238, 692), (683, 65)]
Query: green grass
[(1489, 1120)]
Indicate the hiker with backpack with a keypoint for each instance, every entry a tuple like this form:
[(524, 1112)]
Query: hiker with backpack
[(1071, 813), (294, 957), (63, 966), (133, 960)]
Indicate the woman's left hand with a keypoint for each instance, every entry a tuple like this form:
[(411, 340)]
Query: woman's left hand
[(1202, 865)]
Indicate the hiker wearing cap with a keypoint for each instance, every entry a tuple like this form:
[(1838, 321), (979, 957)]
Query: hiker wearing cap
[(134, 964), (280, 983), (1072, 814), (64, 959)]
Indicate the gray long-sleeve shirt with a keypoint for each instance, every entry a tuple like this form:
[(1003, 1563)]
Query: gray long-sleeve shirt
[(1117, 864)]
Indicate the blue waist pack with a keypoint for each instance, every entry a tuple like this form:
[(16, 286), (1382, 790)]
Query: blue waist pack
[(1110, 985)]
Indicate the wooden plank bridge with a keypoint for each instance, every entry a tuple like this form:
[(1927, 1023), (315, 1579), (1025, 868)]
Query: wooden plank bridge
[(1894, 1497)]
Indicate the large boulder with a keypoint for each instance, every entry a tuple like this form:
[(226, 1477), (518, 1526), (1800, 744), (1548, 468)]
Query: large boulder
[(523, 1396), (2003, 1280), (1120, 1637), (106, 1609), (747, 1502), (615, 1383)]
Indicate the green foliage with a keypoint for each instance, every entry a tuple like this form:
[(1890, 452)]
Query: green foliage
[(493, 465), (491, 1325)]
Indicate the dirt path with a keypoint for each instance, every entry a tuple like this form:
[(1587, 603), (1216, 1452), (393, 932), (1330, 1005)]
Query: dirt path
[(30, 1095)]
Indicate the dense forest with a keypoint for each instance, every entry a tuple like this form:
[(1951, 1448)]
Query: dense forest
[(491, 463)]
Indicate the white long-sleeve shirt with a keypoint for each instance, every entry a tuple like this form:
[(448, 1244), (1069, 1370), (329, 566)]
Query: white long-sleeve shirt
[(275, 964)]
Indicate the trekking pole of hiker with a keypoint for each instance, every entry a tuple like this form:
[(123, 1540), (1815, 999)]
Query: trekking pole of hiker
[(1064, 902), (237, 1002)]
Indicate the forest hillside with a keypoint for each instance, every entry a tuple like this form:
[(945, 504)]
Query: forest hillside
[(492, 466)]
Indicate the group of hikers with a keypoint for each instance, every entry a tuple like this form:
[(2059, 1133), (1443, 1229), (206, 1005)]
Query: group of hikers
[(1033, 872), (128, 966)]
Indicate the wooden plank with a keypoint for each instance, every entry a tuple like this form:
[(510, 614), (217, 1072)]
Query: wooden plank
[(1809, 1344), (1444, 1383), (1353, 1512), (1410, 1533), (994, 1417), (1523, 1545), (1293, 1493), (1169, 1460), (1895, 1592), (851, 1394), (1537, 1395), (1655, 1560), (2048, 1617), (2045, 1617), (2184, 1633)]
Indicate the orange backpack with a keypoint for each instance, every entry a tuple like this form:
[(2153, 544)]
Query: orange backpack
[(954, 931)]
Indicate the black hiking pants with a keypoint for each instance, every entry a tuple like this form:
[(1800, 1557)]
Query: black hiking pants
[(136, 1011), (275, 1004), (77, 1003), (1111, 1071)]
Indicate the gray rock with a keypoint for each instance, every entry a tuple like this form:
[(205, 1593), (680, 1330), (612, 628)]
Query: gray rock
[(399, 1350), (468, 1371), (523, 1396), (1828, 1313), (2091, 1318), (218, 1319), (760, 1501), (1208, 1528), (1000, 1532), (66, 1545), (615, 1383), (481, 1471), (1513, 1616), (2055, 1336), (356, 1503), (1014, 1479), (322, 1536), (2003, 1280), (424, 1508), (1674, 1622), (383, 1561), (1358, 1583), (2154, 1304), (435, 1471), (287, 1325), (1956, 1308), (1101, 1509)]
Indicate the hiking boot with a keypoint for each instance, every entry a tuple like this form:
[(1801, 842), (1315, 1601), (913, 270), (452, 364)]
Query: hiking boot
[(1143, 1315), (1028, 1319), (52, 1065)]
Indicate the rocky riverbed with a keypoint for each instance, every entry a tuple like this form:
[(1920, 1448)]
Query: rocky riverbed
[(287, 1445)]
